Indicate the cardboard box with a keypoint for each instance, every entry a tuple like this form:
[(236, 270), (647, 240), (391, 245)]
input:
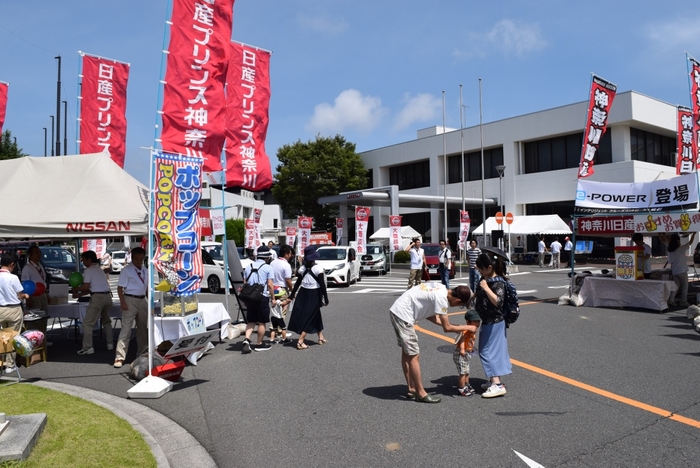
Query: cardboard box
[(6, 335)]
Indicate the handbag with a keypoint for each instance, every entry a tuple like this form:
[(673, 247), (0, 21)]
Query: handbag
[(251, 293), (426, 275)]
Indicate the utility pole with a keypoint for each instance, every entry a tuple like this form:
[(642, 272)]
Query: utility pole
[(58, 108), (44, 141), (52, 133), (65, 128)]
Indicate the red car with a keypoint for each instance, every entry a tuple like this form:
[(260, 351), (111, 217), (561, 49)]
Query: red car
[(431, 258)]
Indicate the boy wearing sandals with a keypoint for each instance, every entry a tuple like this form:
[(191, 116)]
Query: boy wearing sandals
[(464, 348), (427, 301)]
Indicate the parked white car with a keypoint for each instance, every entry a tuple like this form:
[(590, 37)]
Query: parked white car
[(118, 261), (214, 275), (340, 264)]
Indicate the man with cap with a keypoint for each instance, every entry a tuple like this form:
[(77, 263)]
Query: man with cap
[(569, 251), (428, 301), (259, 272)]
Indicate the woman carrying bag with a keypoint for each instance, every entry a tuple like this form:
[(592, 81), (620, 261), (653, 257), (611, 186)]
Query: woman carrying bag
[(306, 313)]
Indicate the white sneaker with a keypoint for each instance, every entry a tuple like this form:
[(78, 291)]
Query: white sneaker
[(11, 370), (494, 391), (85, 351), (110, 346)]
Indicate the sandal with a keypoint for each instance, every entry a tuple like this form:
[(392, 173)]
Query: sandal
[(322, 341), (428, 399), (301, 345), (410, 395)]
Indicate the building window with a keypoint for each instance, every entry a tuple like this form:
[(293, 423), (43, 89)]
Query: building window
[(653, 148), (492, 157), (562, 152), (410, 176), (370, 178)]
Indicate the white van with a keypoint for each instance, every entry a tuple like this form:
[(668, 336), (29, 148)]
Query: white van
[(340, 264)]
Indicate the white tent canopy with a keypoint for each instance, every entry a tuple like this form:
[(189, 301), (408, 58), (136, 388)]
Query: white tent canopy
[(407, 232), (79, 196), (532, 224)]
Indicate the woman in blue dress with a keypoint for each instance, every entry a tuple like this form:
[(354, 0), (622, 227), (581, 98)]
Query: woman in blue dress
[(493, 341)]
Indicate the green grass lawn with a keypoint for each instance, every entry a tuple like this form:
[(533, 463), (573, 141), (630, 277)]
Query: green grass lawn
[(78, 433)]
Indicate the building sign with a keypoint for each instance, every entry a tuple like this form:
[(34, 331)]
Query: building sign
[(616, 226), (674, 194)]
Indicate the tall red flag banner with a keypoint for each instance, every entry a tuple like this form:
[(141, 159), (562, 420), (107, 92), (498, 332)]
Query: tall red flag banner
[(290, 235), (395, 233), (695, 99), (4, 87), (248, 103), (103, 107), (685, 162), (464, 225), (194, 103), (177, 192), (361, 219), (339, 230), (599, 104), (304, 224), (250, 232)]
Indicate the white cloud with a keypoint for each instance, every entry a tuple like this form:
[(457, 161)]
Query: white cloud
[(682, 34), (507, 37), (351, 110), (420, 108), (323, 24)]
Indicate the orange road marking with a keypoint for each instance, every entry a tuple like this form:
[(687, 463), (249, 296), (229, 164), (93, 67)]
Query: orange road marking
[(575, 383)]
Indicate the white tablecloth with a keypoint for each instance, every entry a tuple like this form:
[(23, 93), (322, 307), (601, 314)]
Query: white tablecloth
[(610, 292)]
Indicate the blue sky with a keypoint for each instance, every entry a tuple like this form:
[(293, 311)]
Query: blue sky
[(373, 71)]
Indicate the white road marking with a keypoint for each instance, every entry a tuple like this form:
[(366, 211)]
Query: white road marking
[(531, 463), (558, 287), (527, 291)]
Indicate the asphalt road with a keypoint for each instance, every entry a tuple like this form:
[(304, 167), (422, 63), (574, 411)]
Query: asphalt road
[(590, 388)]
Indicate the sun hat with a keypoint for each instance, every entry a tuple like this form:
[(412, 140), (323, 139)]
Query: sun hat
[(472, 316), (264, 252), (310, 254)]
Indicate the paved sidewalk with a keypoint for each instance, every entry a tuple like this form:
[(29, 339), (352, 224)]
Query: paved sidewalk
[(171, 444)]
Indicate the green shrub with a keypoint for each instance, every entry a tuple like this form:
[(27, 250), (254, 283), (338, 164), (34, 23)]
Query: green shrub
[(402, 257)]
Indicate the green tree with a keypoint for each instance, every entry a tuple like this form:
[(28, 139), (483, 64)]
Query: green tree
[(8, 147), (309, 171)]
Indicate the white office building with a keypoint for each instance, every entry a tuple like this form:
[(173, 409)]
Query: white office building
[(541, 153)]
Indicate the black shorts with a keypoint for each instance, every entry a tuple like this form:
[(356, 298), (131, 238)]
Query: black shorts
[(260, 312), (277, 323)]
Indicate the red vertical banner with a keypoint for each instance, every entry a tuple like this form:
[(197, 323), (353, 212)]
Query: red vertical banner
[(464, 225), (194, 103), (686, 144), (600, 101), (395, 233), (103, 107), (177, 192), (205, 222), (290, 235), (361, 219), (339, 222), (695, 109), (304, 224), (250, 234), (4, 87), (248, 103)]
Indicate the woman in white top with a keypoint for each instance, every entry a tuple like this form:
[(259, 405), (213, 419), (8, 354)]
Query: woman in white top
[(306, 313), (679, 265)]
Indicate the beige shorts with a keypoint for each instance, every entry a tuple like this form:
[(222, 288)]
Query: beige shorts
[(406, 335)]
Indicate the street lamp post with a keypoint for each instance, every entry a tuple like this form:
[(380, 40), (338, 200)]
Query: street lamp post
[(44, 141), (501, 169), (52, 135)]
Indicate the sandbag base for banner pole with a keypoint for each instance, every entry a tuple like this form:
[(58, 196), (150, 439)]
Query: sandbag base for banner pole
[(150, 387)]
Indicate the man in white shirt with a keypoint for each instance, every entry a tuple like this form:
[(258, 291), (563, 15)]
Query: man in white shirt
[(270, 246), (95, 283), (11, 296), (541, 249), (569, 251), (34, 271), (430, 303), (132, 290), (282, 280), (445, 259), (418, 263), (556, 250), (259, 313)]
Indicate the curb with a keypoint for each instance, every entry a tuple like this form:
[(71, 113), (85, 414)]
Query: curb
[(171, 445)]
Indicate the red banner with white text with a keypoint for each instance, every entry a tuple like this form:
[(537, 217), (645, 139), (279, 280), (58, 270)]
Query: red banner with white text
[(4, 87), (194, 103), (248, 103), (685, 162), (103, 107), (395, 232), (600, 101), (361, 220), (290, 236), (304, 225), (464, 225), (695, 109), (339, 222)]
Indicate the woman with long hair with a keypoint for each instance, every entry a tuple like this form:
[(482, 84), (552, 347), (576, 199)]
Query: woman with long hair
[(306, 313), (679, 265), (493, 341)]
